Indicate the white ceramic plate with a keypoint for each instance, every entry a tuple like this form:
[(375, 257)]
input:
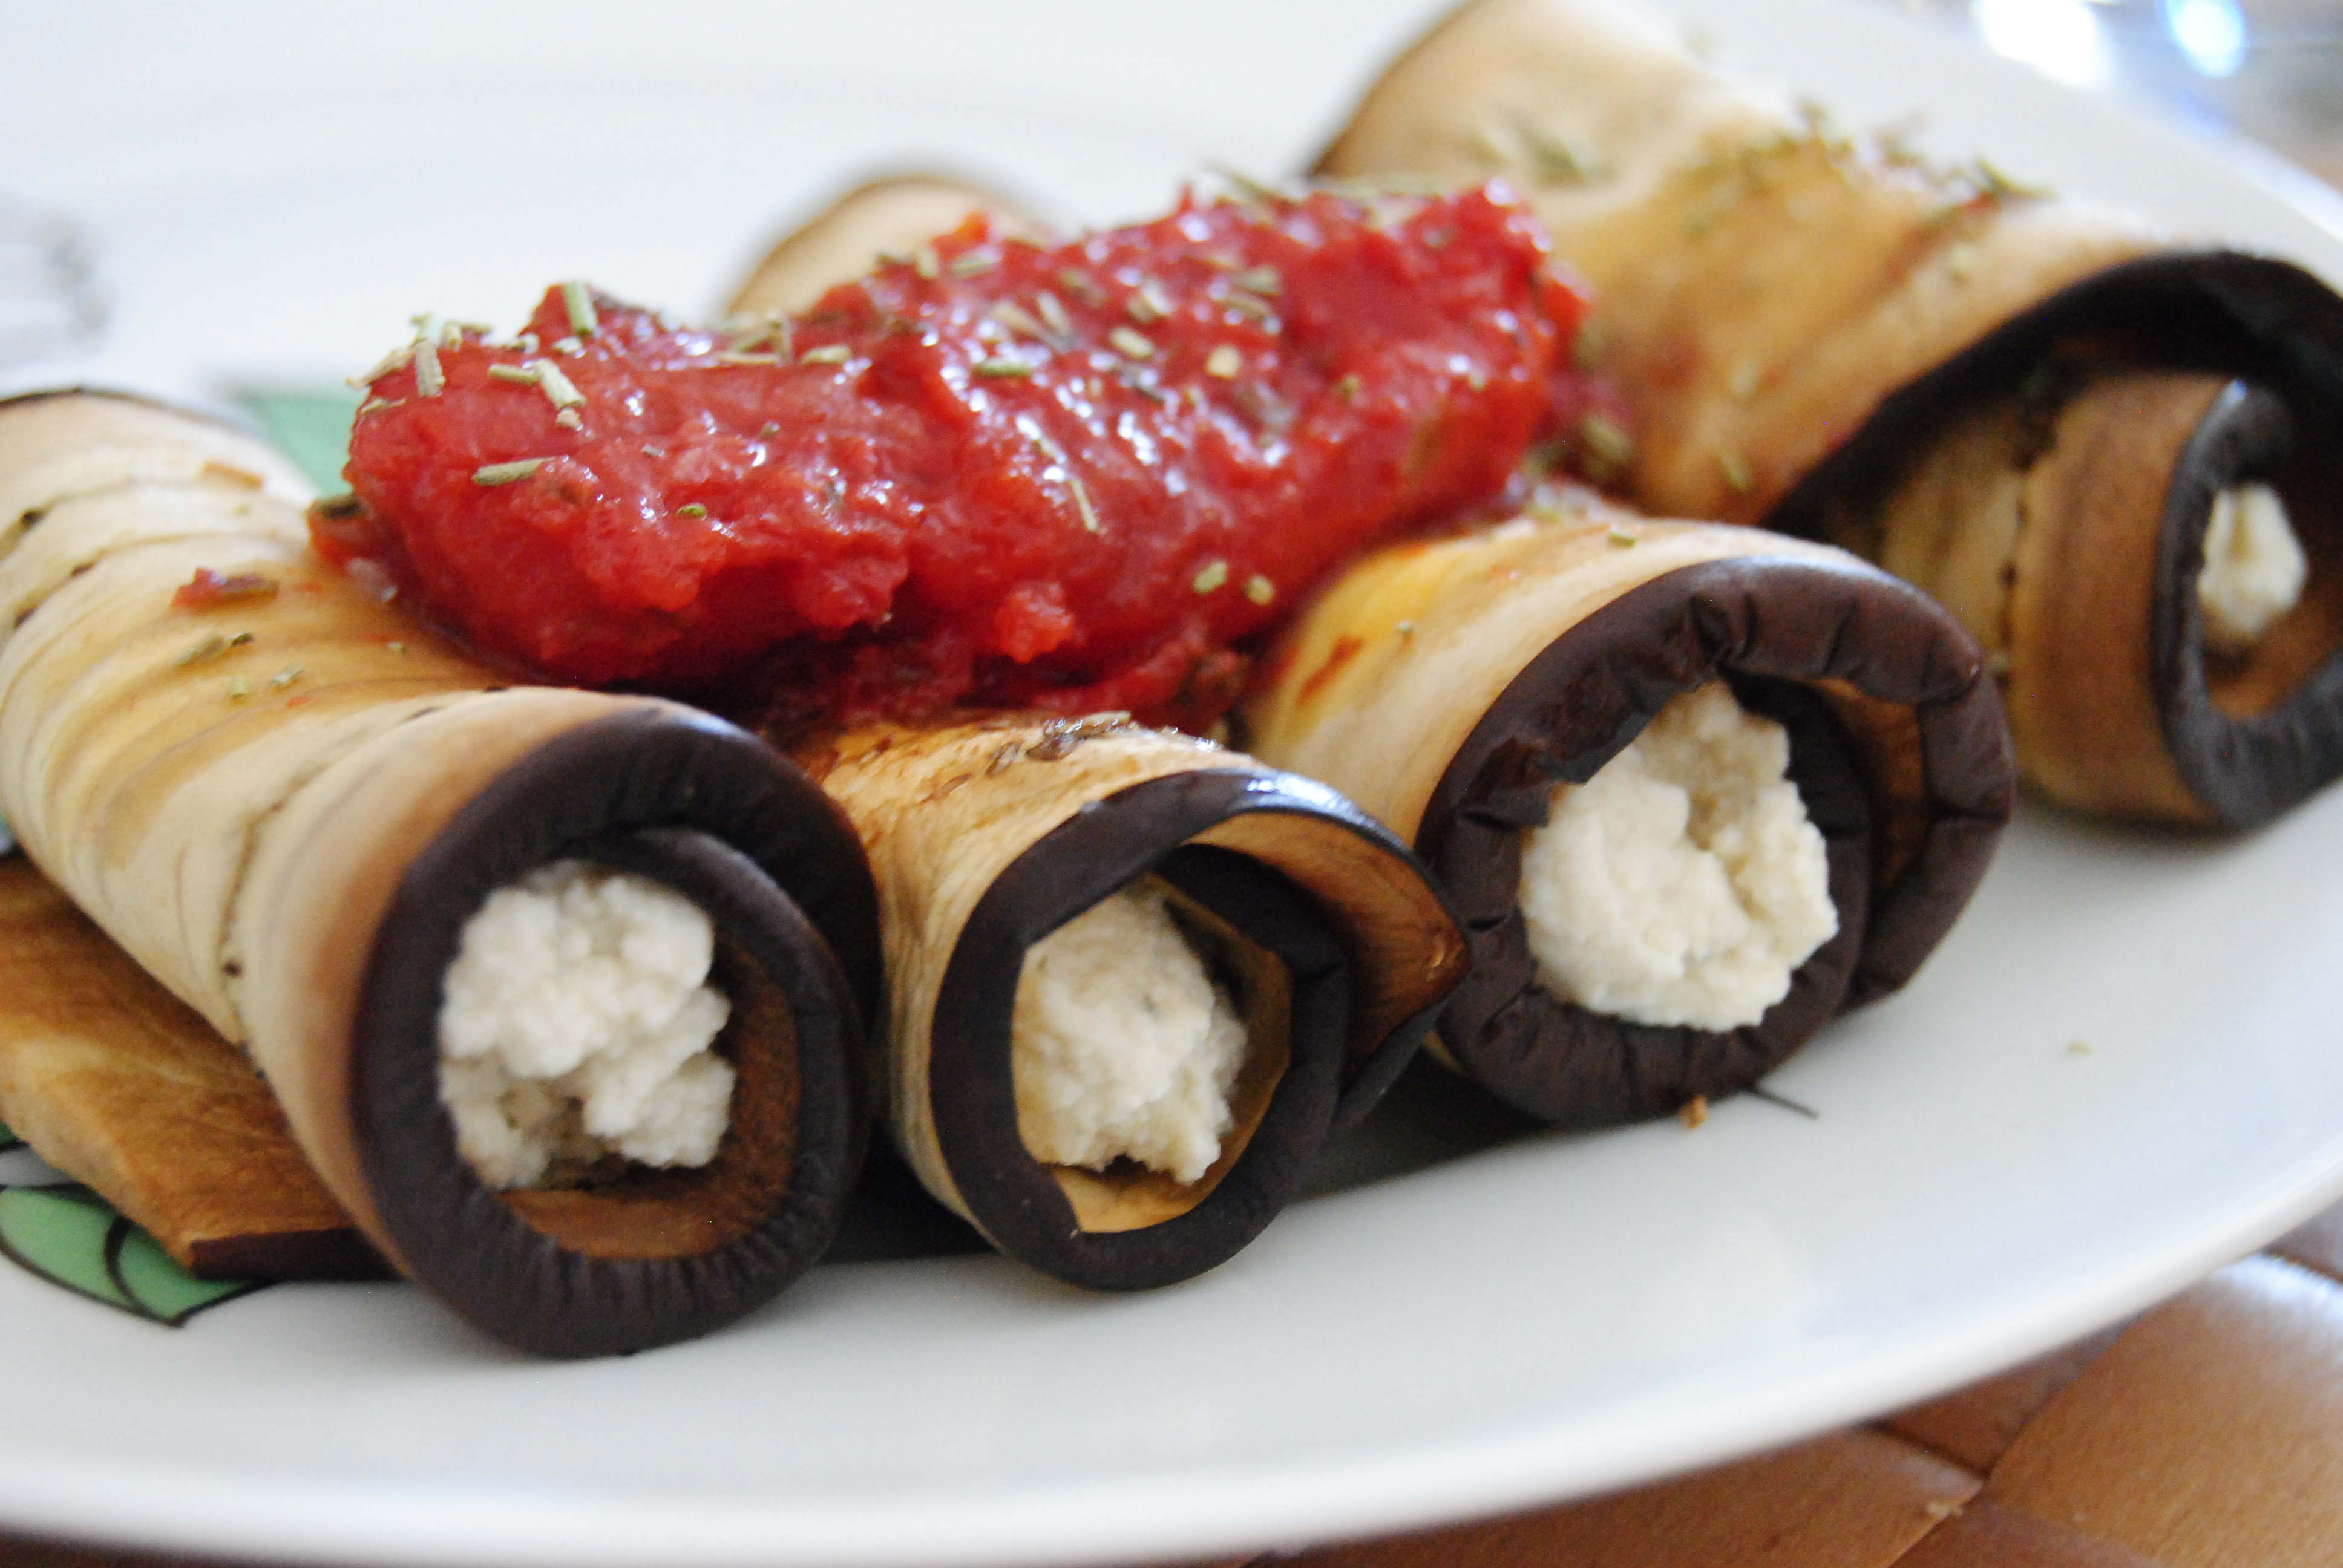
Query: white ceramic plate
[(2119, 1073)]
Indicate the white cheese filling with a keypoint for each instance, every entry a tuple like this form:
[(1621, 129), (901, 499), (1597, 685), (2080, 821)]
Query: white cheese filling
[(576, 1025), (1683, 883), (2254, 567), (1121, 1045)]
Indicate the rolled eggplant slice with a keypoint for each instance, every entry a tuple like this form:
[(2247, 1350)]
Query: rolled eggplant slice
[(847, 237), (1451, 685), (995, 839), (1803, 323), (2152, 558), (1762, 281), (288, 801)]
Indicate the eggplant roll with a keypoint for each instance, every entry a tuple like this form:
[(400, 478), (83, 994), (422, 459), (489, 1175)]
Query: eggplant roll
[(1822, 333), (1586, 721), (374, 863), (1134, 980), (850, 237)]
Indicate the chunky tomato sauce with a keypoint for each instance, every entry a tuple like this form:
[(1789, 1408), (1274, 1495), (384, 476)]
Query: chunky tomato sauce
[(1072, 477)]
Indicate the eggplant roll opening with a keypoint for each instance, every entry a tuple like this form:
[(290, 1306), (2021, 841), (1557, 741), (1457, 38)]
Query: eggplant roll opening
[(638, 1255), (1864, 675), (2123, 410), (1455, 684), (1265, 942), (1568, 1062)]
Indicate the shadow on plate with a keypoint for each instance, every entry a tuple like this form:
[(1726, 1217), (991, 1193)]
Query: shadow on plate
[(1431, 1116)]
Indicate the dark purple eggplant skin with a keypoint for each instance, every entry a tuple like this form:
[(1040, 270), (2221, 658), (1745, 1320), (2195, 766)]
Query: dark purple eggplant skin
[(724, 819), (1330, 1080), (1775, 627)]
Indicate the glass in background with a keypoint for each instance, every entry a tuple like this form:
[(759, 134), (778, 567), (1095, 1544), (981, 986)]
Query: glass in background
[(2268, 70)]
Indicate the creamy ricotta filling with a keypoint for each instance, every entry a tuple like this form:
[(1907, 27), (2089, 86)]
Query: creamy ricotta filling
[(576, 1025), (1121, 1045), (2254, 567), (1683, 883)]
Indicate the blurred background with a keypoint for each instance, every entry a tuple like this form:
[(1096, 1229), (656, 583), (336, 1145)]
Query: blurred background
[(177, 229), (2265, 71)]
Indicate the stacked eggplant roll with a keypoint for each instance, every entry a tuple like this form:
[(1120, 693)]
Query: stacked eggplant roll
[(1693, 789), (1135, 980), (559, 992), (2112, 453)]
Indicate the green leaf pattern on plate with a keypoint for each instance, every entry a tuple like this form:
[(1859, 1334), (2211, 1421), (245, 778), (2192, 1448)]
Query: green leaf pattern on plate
[(8, 1139), (68, 1235), (310, 425)]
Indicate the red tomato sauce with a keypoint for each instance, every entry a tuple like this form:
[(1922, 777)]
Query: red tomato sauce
[(1074, 478)]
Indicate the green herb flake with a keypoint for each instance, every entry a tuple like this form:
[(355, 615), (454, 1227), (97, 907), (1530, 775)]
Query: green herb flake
[(2001, 188), (975, 263), (1131, 345), (1015, 317), (1259, 280), (238, 689), (1249, 188), (1260, 590), (1348, 388), (1081, 495), (1223, 363), (285, 677), (1622, 537), (397, 360), (579, 302), (507, 473), (691, 511), (559, 389), (1055, 313), (925, 262), (216, 646), (835, 354), (518, 374), (1556, 160), (1735, 469), (1214, 574), (1002, 371), (1606, 440)]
